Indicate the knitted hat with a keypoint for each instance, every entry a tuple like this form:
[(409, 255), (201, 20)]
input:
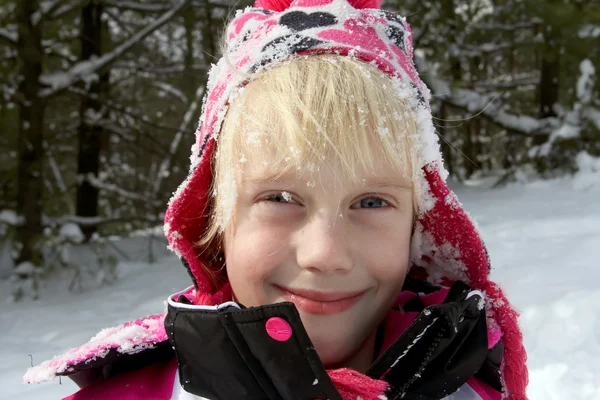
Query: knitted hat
[(446, 245)]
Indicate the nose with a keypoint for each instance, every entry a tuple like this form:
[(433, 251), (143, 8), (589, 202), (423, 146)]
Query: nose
[(323, 246)]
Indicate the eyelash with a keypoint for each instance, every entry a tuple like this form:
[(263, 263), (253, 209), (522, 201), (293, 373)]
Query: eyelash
[(386, 203), (271, 197)]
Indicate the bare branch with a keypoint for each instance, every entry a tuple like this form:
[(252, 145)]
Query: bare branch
[(161, 7), (124, 110), (418, 34), (158, 70), (87, 70), (122, 133), (184, 127)]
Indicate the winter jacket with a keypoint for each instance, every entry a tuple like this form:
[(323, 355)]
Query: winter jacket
[(433, 344)]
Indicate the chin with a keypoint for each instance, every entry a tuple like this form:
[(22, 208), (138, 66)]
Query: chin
[(333, 346), (332, 353)]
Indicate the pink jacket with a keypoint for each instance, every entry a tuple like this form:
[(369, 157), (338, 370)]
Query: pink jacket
[(160, 380)]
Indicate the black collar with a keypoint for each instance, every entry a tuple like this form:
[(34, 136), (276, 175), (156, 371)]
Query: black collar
[(226, 353)]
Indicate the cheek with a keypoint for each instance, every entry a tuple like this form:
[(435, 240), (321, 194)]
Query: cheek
[(252, 255), (386, 252)]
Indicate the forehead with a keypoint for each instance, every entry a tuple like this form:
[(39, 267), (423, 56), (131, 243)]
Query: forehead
[(266, 168)]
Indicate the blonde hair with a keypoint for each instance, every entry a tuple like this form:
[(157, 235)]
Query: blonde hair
[(311, 111)]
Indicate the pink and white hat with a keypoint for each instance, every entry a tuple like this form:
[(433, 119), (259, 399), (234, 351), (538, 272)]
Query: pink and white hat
[(446, 245)]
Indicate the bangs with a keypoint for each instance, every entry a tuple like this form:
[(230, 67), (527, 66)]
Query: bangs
[(313, 112), (320, 111)]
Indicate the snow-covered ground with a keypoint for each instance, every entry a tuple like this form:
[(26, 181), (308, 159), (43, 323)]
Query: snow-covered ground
[(543, 237)]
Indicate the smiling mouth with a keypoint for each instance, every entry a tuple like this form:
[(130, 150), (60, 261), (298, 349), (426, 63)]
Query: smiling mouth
[(314, 302)]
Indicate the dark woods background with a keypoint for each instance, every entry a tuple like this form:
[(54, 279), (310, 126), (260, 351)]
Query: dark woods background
[(99, 101)]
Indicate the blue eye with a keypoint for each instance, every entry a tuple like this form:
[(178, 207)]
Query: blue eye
[(370, 202)]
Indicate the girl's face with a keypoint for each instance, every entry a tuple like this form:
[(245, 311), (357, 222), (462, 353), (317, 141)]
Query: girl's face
[(337, 248)]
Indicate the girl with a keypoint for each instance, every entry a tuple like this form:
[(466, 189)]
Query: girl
[(329, 258)]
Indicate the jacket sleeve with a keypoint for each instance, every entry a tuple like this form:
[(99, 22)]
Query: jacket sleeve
[(154, 382)]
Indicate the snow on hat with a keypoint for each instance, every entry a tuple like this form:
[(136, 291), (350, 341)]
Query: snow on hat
[(446, 245)]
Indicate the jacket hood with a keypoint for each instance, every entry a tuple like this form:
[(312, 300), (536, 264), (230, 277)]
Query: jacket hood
[(446, 245)]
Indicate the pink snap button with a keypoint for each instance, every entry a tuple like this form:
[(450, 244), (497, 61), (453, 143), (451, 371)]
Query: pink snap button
[(279, 329)]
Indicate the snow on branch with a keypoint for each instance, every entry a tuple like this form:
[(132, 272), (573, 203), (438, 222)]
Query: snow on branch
[(137, 6), (487, 48), (589, 31), (510, 81), (46, 8), (586, 94), (93, 221), (9, 217), (593, 115), (506, 27), (58, 177), (87, 70), (109, 187), (65, 9), (167, 88), (485, 105), (9, 34)]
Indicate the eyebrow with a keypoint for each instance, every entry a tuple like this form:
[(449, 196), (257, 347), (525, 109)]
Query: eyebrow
[(268, 177), (400, 183)]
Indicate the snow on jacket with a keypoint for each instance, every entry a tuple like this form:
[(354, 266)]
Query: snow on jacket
[(432, 345)]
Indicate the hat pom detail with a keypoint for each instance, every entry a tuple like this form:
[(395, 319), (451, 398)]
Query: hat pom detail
[(281, 5), (359, 4), (273, 5)]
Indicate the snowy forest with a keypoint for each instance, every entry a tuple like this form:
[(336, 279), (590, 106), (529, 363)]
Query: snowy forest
[(99, 101)]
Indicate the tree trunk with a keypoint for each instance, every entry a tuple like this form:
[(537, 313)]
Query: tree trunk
[(90, 133), (30, 141), (549, 76)]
